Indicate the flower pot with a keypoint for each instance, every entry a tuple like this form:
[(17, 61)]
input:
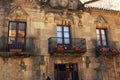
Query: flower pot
[(60, 48), (114, 51), (77, 48)]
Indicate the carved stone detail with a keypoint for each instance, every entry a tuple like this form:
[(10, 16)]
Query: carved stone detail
[(63, 18), (101, 22), (50, 18), (17, 13), (42, 16), (100, 19), (64, 4), (76, 20)]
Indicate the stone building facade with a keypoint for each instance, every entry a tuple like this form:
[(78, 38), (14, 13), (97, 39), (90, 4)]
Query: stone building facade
[(38, 41)]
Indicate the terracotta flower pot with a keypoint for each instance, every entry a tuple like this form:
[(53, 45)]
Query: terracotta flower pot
[(60, 48), (77, 48)]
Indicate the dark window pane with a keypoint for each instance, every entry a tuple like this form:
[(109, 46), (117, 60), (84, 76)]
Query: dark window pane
[(20, 40), (21, 26), (12, 26), (21, 30)]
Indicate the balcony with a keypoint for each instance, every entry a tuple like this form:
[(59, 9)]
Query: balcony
[(110, 50), (17, 49), (77, 45)]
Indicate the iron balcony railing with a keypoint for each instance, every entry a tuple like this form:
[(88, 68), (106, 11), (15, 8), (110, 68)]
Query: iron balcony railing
[(108, 50), (73, 45), (29, 45)]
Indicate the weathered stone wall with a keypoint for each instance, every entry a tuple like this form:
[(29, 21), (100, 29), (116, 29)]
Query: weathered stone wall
[(10, 69), (41, 24)]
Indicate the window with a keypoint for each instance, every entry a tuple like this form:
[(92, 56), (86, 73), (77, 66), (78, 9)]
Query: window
[(63, 34), (101, 37), (16, 36)]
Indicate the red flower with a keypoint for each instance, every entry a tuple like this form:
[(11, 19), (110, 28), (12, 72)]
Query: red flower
[(104, 50), (114, 51)]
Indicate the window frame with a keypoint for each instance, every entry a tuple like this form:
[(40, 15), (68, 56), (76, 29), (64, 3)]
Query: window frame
[(101, 39), (63, 37), (17, 35)]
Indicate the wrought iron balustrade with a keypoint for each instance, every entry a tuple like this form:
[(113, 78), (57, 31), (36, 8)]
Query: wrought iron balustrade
[(29, 45), (75, 45), (109, 50)]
